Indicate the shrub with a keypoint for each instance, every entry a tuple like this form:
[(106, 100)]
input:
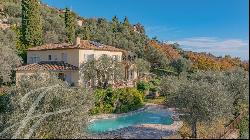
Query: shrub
[(128, 99), (100, 102), (117, 101), (13, 10), (156, 81), (142, 86)]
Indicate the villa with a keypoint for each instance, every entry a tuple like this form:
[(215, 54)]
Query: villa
[(65, 59)]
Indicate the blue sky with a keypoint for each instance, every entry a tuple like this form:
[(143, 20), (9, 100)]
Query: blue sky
[(216, 26)]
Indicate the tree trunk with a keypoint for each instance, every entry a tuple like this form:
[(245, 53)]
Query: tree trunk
[(1, 81), (194, 131)]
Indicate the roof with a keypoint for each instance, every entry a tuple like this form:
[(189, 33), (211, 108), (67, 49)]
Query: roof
[(84, 44), (48, 65)]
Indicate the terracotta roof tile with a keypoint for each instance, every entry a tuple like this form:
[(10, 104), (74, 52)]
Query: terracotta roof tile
[(84, 44), (48, 65)]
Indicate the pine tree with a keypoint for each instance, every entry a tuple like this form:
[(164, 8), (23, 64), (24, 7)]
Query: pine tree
[(115, 24), (140, 28), (70, 23), (115, 20), (31, 31), (126, 22)]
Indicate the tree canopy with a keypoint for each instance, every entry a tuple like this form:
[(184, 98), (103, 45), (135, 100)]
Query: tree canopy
[(102, 70), (142, 66), (9, 60), (38, 109), (205, 96)]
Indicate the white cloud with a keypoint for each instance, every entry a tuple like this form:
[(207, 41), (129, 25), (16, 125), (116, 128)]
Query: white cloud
[(217, 46)]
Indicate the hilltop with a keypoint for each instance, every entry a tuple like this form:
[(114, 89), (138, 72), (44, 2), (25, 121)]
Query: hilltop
[(121, 34)]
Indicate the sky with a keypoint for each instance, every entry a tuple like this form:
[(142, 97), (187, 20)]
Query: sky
[(216, 26)]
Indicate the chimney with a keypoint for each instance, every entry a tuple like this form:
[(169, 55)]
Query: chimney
[(78, 41)]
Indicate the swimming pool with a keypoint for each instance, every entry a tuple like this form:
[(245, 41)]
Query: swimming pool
[(144, 117)]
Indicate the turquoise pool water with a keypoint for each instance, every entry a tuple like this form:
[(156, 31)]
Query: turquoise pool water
[(145, 117)]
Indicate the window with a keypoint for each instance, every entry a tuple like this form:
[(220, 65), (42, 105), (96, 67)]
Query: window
[(49, 58), (34, 59), (31, 60)]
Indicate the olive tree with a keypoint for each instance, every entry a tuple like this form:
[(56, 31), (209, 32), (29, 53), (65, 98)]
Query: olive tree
[(156, 58), (102, 71), (42, 106), (181, 65), (201, 101), (235, 81), (143, 66), (237, 84), (170, 85), (9, 60)]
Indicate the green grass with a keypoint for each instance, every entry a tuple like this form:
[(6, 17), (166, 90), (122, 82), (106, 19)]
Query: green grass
[(158, 100)]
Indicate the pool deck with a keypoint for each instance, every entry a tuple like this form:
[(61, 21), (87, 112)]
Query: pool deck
[(142, 131)]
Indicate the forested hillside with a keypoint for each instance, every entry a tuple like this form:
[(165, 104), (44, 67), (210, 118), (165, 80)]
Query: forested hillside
[(209, 91), (117, 32)]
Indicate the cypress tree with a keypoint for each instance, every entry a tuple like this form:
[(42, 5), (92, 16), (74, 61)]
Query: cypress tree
[(31, 31), (70, 23)]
